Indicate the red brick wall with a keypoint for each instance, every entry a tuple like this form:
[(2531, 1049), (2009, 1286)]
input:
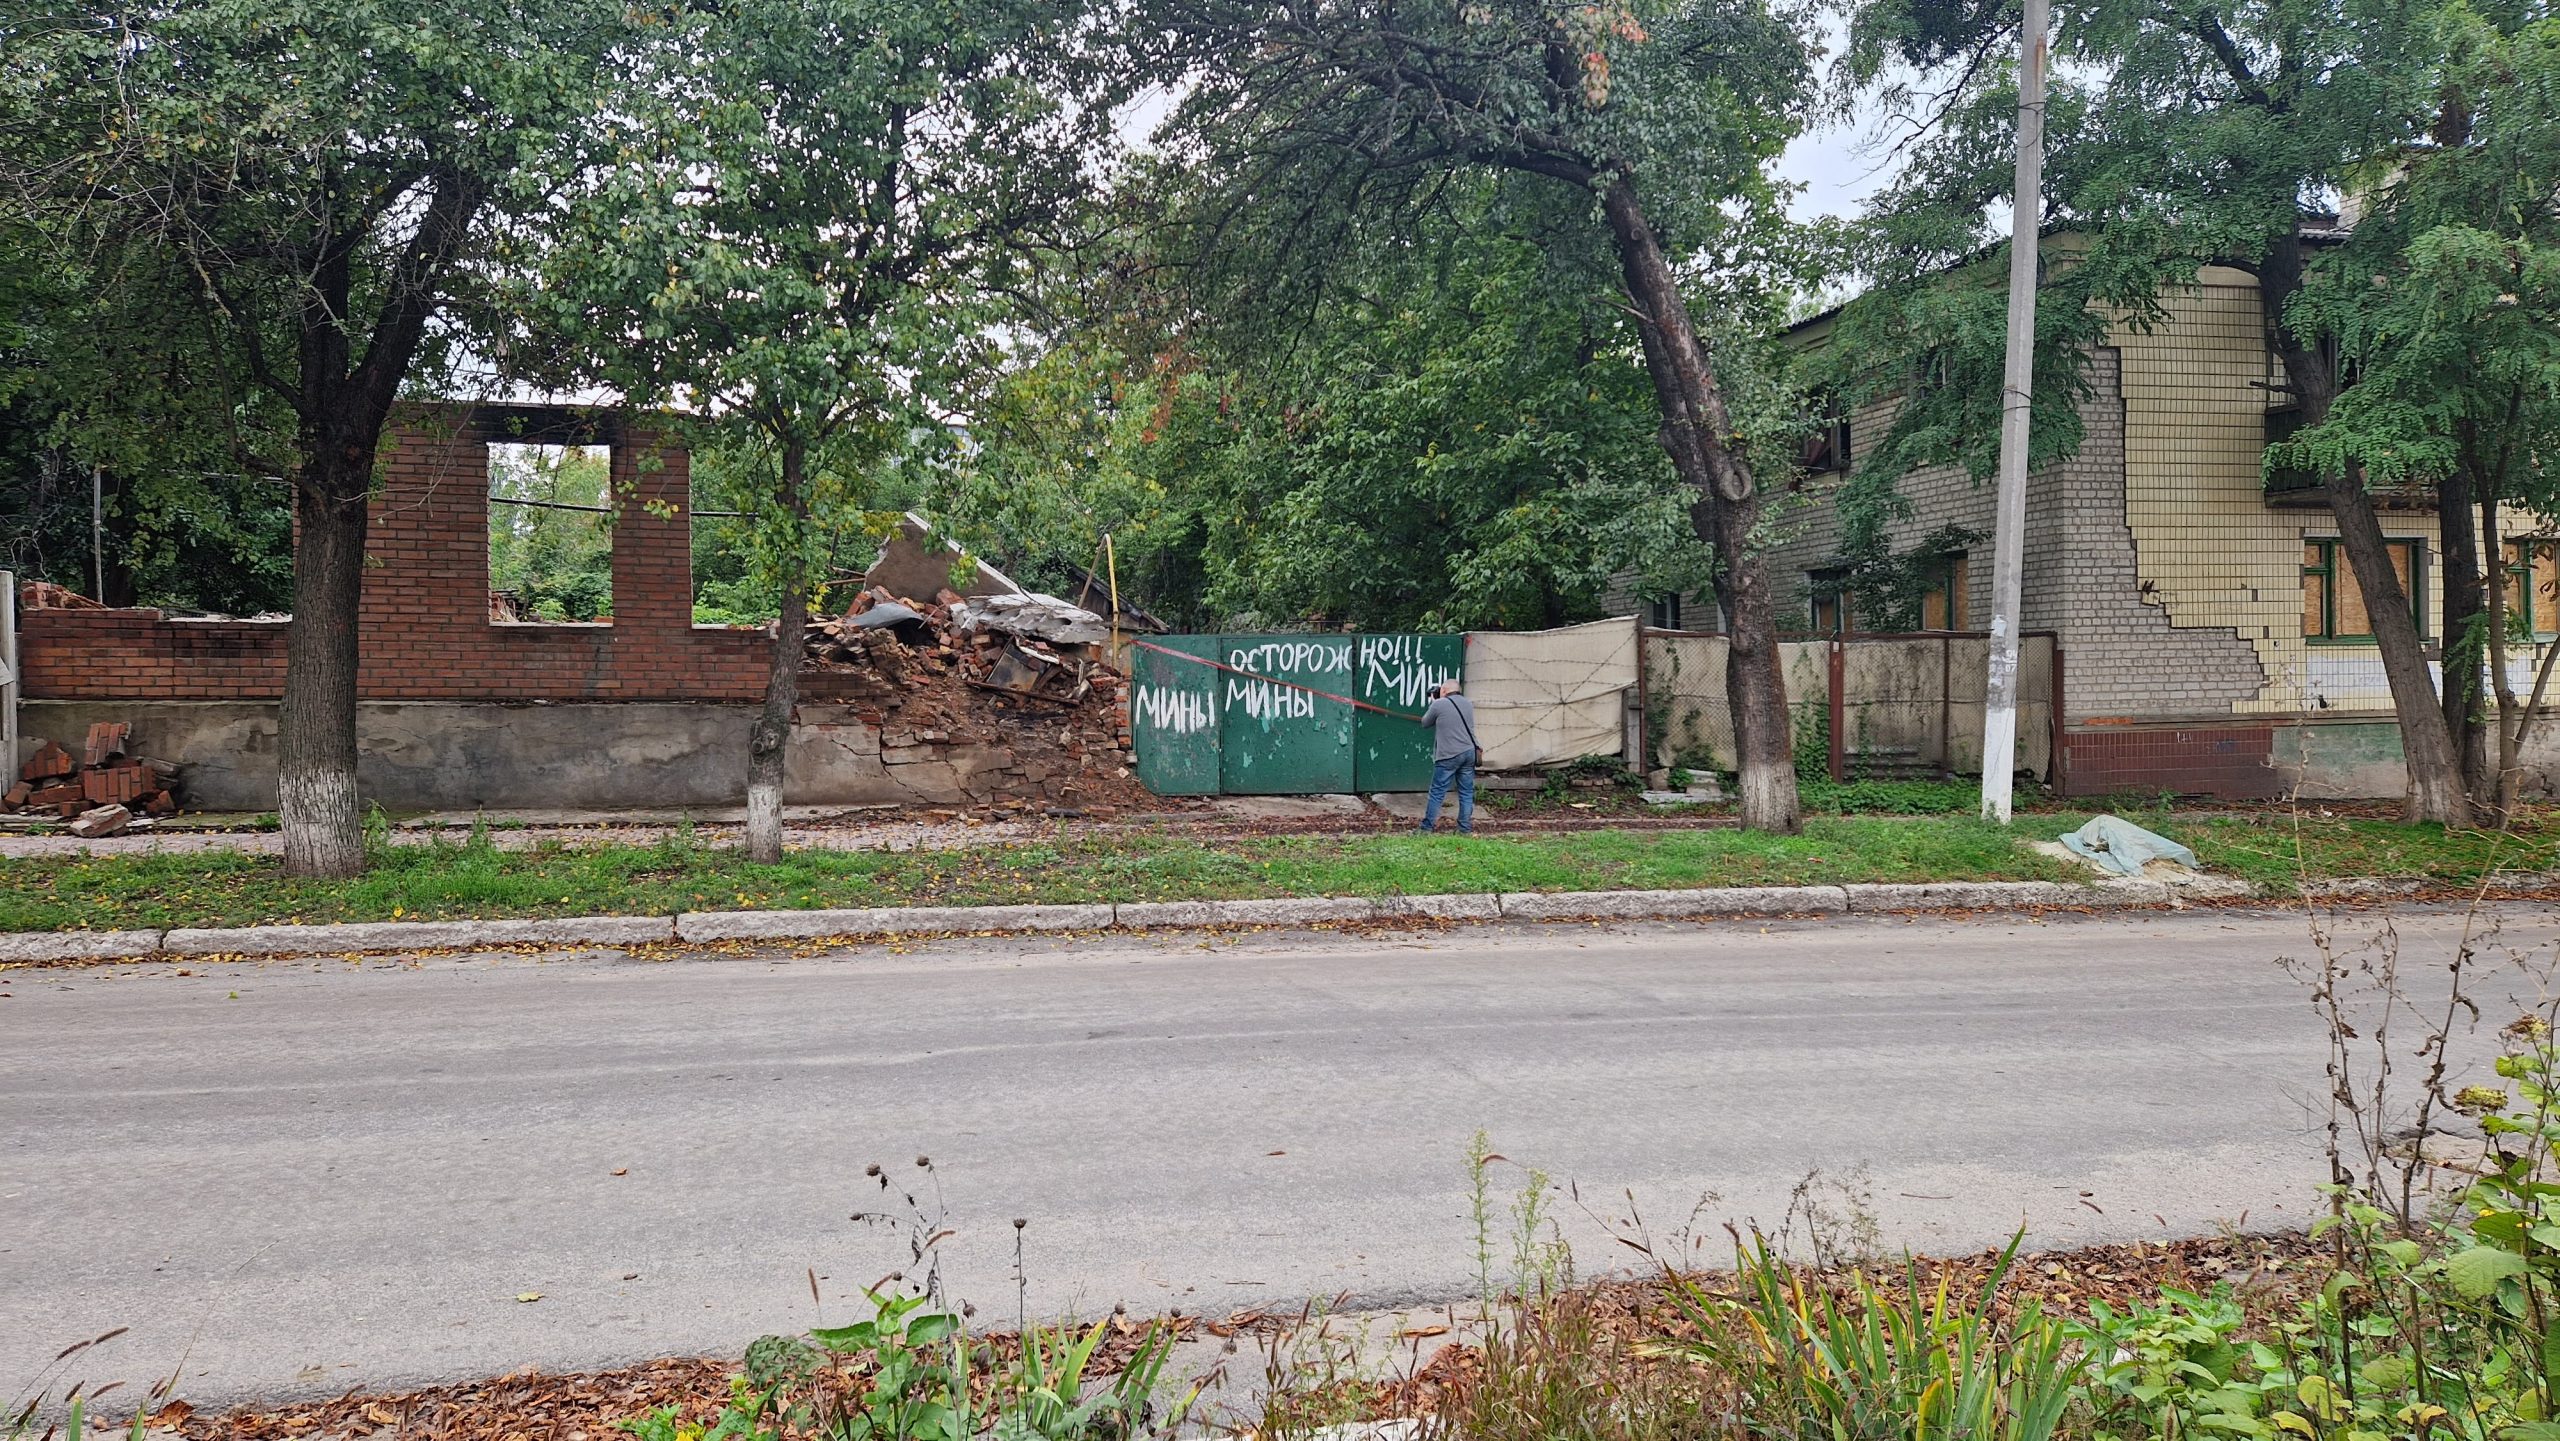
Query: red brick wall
[(2235, 762), (426, 633)]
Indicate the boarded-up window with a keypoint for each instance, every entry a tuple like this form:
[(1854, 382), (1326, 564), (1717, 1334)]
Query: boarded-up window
[(1833, 608), (2533, 584), (2333, 603), (1942, 605)]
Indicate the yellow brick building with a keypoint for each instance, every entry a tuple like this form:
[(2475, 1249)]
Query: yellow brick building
[(2213, 642)]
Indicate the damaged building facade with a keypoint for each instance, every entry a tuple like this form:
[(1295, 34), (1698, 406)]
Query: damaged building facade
[(643, 709)]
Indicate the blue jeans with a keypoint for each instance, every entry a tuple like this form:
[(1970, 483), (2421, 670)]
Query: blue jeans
[(1461, 769)]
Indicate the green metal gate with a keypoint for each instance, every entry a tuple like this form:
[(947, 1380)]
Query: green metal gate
[(1264, 719), (1398, 673), (1173, 715), (1276, 735)]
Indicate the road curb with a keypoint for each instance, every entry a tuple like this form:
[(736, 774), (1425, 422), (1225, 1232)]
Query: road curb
[(36, 948)]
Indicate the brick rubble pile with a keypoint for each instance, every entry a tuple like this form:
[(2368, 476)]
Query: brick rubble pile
[(1010, 714), (100, 791)]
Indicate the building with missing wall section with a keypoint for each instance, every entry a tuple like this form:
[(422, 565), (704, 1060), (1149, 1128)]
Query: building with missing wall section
[(2214, 641)]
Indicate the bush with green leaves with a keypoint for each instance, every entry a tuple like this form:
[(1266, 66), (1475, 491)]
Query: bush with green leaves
[(2449, 1328), (912, 1373), (1812, 1362)]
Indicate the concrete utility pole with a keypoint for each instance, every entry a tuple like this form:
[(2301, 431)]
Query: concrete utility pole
[(2017, 394)]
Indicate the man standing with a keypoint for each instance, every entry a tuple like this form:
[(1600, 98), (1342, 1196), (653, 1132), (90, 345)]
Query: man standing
[(1454, 753)]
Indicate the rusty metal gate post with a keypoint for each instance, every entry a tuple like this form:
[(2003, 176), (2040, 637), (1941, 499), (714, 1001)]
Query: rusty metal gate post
[(2055, 775), (1641, 761), (1839, 711), (1946, 707)]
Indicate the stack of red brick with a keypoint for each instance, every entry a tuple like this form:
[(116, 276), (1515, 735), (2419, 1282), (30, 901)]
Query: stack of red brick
[(102, 778)]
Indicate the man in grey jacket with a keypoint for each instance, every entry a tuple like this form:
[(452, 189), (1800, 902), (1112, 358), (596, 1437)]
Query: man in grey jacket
[(1454, 753)]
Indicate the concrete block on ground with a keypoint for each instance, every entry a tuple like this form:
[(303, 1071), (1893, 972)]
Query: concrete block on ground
[(578, 931), (911, 919), (36, 947), (2363, 887), (322, 940), (1470, 906), (1404, 805), (1284, 911), (1647, 905), (1964, 895), (885, 921), (2130, 892)]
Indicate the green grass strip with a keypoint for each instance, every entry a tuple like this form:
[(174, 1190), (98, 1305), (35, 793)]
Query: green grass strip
[(468, 879)]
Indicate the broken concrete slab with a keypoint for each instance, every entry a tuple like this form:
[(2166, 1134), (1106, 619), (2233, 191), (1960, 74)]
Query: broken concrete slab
[(1642, 905), (1403, 805)]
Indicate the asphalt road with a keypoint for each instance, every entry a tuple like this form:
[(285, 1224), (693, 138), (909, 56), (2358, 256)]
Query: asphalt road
[(300, 1177)]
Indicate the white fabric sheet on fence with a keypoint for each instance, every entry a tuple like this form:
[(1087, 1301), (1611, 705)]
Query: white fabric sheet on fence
[(1551, 695)]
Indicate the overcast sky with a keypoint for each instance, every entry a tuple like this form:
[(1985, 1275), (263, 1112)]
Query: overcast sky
[(1837, 167)]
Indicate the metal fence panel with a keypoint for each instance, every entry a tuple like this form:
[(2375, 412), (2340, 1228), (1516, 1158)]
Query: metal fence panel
[(1173, 715), (1398, 673), (1282, 739)]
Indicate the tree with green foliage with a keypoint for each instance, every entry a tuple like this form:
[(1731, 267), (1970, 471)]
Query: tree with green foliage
[(2444, 305), (110, 386), (312, 186), (1461, 435), (806, 213), (2179, 136), (1305, 126), (1076, 439)]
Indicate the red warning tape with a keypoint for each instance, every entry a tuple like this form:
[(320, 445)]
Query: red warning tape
[(1272, 680)]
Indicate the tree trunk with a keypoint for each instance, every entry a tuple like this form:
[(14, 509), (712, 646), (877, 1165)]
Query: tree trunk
[(2501, 685), (344, 401), (2435, 778), (316, 728), (769, 745), (1696, 430), (2464, 717)]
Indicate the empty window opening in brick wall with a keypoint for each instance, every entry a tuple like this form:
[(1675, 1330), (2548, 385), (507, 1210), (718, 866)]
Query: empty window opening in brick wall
[(550, 533)]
